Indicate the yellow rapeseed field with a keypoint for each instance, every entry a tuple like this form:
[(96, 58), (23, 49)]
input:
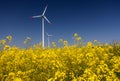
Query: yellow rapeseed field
[(90, 62)]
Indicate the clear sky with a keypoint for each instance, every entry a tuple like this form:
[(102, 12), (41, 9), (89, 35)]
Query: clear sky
[(91, 19)]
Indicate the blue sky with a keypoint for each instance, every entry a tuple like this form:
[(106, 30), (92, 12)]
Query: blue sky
[(91, 19)]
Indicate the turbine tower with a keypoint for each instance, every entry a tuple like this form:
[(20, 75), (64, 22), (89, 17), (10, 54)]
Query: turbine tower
[(43, 18), (48, 39)]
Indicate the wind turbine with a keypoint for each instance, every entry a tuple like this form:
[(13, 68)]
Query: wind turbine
[(48, 38), (43, 18)]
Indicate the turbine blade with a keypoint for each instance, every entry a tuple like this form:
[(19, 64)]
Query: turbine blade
[(47, 20), (45, 10), (36, 16), (50, 35)]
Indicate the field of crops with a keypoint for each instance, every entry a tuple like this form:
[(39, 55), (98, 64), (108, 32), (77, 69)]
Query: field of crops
[(90, 62)]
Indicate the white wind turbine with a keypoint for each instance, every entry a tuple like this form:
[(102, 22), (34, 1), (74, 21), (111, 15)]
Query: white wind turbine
[(43, 17), (48, 38)]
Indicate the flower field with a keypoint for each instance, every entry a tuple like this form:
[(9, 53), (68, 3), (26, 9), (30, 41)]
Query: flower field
[(90, 62)]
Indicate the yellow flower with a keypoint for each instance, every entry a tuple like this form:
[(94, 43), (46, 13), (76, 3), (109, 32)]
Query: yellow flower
[(89, 44), (65, 43), (79, 39), (75, 35), (60, 40), (27, 40), (3, 41), (19, 72), (53, 44), (11, 74), (6, 47), (9, 37), (17, 79)]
